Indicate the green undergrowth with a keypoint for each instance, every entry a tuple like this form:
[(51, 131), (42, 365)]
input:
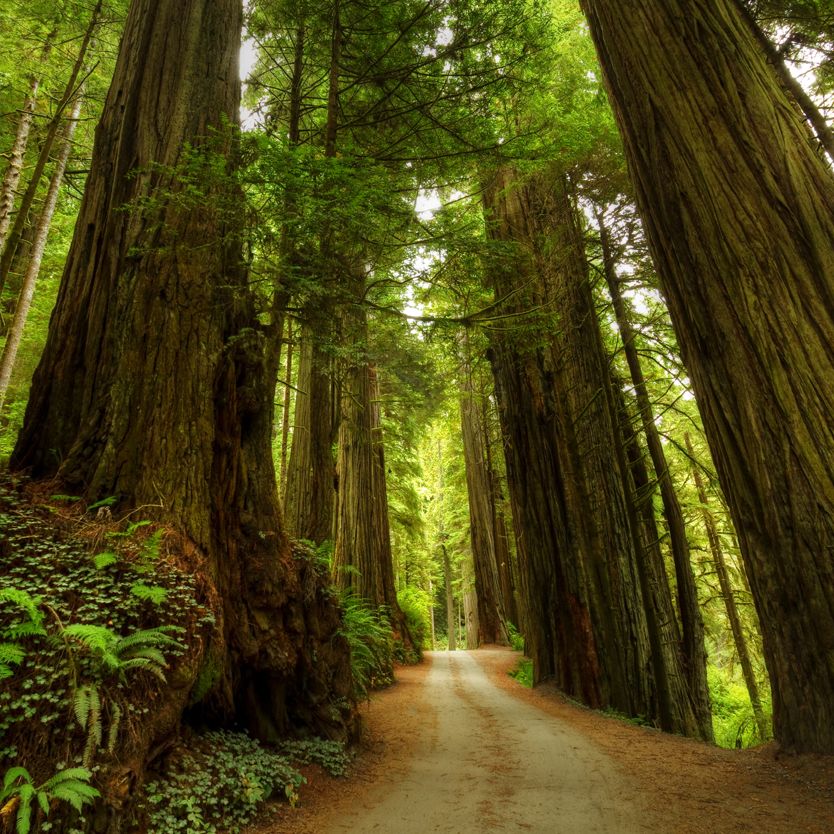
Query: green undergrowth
[(733, 722), (523, 672), (93, 617), (368, 632), (217, 781)]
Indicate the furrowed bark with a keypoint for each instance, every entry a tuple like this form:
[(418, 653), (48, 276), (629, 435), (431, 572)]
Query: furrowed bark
[(739, 212)]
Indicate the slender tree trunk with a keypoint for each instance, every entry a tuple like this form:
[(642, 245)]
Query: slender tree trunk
[(382, 525), (491, 626), (729, 601), (286, 413), (157, 384), (694, 652), (450, 600), (503, 558), (472, 627), (8, 190), (431, 614), (751, 294), (27, 290), (70, 91), (311, 470)]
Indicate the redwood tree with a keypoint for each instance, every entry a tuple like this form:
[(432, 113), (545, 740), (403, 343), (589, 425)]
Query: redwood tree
[(739, 211), (156, 384)]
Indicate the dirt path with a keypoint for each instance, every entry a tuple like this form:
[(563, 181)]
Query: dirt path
[(457, 746)]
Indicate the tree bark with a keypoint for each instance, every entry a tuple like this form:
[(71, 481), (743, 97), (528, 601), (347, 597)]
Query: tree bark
[(33, 268), (729, 601), (491, 628), (739, 213), (693, 650), (451, 631), (286, 413), (11, 178), (311, 470), (156, 384), (593, 617)]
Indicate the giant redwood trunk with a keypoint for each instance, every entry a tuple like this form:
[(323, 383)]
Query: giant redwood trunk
[(155, 384), (592, 618), (739, 212)]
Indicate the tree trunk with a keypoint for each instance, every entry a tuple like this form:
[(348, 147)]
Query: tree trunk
[(30, 277), (156, 384), (693, 651), (491, 628), (739, 213), (472, 628), (451, 631), (729, 601), (311, 470), (594, 618), (70, 92), (382, 525), (286, 412), (356, 561), (8, 190)]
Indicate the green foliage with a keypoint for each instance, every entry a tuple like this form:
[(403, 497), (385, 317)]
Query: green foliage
[(153, 593), (516, 639), (11, 651), (330, 755), (217, 785), (71, 785), (523, 672), (733, 720), (116, 655), (368, 632), (415, 603), (82, 636)]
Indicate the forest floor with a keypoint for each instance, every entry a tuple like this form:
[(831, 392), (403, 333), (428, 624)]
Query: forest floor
[(457, 746)]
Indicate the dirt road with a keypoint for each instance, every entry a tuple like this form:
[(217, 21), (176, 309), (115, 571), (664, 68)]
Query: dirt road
[(457, 746), (486, 762)]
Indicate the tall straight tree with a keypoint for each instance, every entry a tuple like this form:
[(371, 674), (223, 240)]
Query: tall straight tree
[(739, 212), (156, 385), (593, 614), (491, 617)]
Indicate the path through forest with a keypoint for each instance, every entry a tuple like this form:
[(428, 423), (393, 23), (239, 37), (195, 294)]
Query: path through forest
[(457, 746)]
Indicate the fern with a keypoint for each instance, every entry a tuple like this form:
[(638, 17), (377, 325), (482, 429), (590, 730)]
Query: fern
[(33, 623), (104, 560), (140, 650), (10, 654), (71, 785), (151, 593), (87, 707)]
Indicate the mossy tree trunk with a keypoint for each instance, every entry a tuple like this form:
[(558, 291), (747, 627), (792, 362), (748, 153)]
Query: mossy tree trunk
[(739, 212), (156, 384)]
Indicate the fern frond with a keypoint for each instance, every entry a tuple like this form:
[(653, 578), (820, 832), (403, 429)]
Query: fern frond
[(113, 731)]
